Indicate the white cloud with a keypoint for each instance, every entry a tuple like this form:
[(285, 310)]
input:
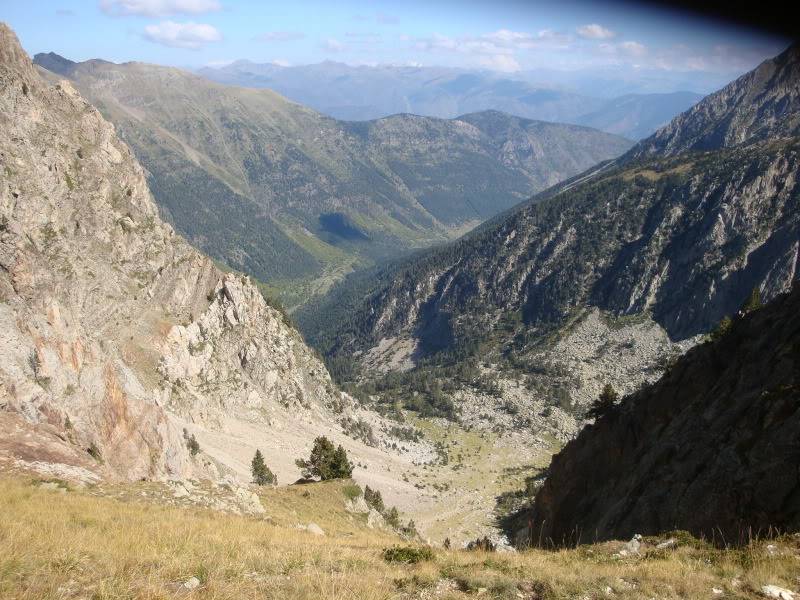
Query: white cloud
[(333, 45), (633, 48), (279, 62), (158, 8), (594, 31), (500, 62), (189, 35), (280, 36)]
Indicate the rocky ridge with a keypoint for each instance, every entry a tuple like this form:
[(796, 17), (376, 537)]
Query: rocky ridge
[(762, 104), (111, 323)]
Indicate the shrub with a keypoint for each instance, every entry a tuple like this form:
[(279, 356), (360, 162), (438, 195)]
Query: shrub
[(483, 543), (94, 451), (351, 491), (722, 329), (392, 517), (753, 301), (262, 475), (326, 462), (407, 554), (374, 499), (191, 443)]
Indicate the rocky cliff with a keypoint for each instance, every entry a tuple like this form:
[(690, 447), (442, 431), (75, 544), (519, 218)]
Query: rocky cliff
[(110, 323), (762, 104), (711, 448)]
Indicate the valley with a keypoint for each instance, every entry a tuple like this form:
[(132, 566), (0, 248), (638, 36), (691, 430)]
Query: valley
[(297, 199), (250, 350)]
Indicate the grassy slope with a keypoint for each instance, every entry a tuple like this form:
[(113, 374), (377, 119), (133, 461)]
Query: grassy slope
[(77, 545)]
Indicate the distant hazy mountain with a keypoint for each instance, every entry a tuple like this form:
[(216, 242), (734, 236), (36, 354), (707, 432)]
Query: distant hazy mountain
[(362, 93), (287, 194)]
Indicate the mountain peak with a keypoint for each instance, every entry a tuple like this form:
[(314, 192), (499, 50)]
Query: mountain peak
[(55, 63), (761, 104)]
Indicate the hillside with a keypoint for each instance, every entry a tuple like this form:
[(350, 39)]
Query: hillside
[(371, 92), (297, 199), (61, 541), (711, 448), (655, 248)]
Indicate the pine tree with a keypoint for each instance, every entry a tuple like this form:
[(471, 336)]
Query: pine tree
[(326, 462), (262, 475), (604, 404)]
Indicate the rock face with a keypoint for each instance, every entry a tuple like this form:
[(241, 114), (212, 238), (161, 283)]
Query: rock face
[(109, 321), (711, 448), (763, 104)]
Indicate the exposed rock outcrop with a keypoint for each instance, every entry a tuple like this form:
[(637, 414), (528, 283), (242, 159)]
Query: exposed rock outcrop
[(711, 448), (763, 104), (108, 319)]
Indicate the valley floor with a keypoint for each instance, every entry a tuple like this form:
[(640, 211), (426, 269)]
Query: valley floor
[(129, 541)]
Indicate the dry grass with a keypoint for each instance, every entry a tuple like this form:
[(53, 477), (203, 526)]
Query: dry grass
[(78, 545)]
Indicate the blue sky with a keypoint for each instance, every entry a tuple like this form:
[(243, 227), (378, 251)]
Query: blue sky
[(502, 35)]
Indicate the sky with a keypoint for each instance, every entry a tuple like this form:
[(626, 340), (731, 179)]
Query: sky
[(502, 35)]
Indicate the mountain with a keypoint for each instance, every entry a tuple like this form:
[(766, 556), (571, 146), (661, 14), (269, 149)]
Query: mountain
[(636, 116), (763, 104), (712, 448), (366, 92), (298, 199), (660, 246)]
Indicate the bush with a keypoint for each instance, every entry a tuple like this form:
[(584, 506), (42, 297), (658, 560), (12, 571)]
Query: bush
[(351, 491), (722, 329), (392, 517), (326, 462), (483, 543), (374, 499), (262, 475), (191, 443), (94, 452), (753, 302), (407, 554)]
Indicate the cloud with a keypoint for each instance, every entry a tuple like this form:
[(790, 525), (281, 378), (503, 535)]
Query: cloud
[(280, 36), (634, 49), (593, 31), (279, 62), (500, 62), (158, 8), (333, 45), (191, 36), (502, 41)]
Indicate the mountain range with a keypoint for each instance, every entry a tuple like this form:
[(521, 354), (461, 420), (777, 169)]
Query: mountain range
[(667, 270), (297, 199), (674, 235), (366, 92)]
